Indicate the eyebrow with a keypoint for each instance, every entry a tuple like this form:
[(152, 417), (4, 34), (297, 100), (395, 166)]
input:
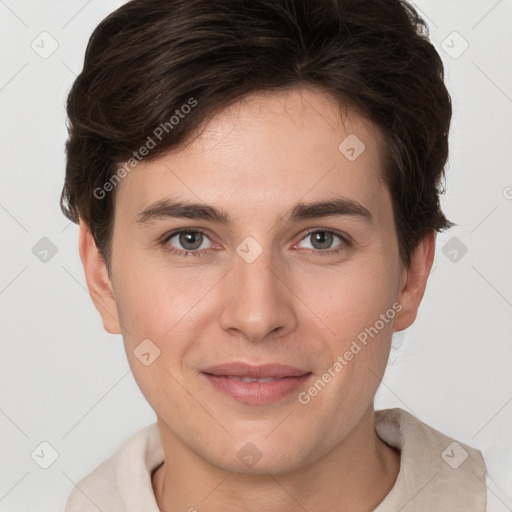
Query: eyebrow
[(168, 208)]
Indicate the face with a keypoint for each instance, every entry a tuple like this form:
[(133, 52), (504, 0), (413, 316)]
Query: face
[(266, 241)]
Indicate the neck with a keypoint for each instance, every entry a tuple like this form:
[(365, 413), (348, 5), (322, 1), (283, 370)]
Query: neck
[(356, 475)]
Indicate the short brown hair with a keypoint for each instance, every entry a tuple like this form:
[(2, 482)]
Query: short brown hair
[(149, 58)]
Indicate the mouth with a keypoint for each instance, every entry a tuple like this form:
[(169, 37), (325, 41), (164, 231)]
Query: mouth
[(251, 379), (264, 371), (252, 384)]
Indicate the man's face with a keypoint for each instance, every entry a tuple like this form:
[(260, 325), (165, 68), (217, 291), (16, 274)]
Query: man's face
[(270, 285)]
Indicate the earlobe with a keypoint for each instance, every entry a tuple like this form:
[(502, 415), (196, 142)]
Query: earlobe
[(414, 282), (98, 280)]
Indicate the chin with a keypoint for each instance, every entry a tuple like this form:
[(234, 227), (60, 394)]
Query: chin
[(260, 458)]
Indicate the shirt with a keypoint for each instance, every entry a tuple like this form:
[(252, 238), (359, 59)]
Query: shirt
[(436, 473)]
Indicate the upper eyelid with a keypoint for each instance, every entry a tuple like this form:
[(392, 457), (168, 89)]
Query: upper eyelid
[(325, 230), (167, 236)]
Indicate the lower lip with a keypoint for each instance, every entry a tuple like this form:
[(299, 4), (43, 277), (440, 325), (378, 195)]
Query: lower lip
[(257, 392)]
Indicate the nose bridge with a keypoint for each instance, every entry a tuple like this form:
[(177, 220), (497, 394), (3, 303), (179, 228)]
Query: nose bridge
[(256, 300), (258, 278)]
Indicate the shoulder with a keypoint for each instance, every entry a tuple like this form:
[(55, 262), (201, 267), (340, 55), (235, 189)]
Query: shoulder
[(465, 478), (97, 490), (498, 461), (124, 478)]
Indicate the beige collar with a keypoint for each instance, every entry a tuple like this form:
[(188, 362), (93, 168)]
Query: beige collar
[(436, 472)]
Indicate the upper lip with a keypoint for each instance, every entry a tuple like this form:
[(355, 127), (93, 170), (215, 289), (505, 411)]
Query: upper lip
[(239, 369)]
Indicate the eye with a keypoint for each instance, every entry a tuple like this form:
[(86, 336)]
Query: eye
[(191, 240), (323, 240)]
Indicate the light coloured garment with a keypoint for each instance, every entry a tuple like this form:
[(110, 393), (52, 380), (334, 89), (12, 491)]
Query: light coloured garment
[(435, 474)]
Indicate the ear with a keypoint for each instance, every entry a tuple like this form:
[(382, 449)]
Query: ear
[(98, 280), (414, 282)]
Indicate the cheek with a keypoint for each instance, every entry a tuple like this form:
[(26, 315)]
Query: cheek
[(156, 308), (157, 301), (171, 308), (352, 299)]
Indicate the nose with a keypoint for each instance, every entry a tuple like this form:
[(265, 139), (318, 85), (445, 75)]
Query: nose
[(257, 302)]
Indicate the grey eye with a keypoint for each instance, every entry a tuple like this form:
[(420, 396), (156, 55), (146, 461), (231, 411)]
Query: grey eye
[(324, 241), (321, 239), (188, 240)]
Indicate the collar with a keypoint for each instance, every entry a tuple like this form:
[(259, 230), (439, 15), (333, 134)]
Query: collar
[(436, 472)]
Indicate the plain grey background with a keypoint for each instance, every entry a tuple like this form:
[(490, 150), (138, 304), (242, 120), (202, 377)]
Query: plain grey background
[(66, 382)]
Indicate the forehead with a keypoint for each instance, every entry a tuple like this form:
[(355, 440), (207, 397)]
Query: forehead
[(268, 149)]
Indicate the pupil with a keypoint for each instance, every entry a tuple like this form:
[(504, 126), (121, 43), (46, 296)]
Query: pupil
[(191, 240), (322, 240)]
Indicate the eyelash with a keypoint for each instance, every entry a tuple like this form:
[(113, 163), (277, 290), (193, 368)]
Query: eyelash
[(346, 243)]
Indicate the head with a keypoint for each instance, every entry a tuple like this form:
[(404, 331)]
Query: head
[(299, 147)]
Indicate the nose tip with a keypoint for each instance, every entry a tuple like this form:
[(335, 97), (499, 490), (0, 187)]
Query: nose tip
[(256, 302)]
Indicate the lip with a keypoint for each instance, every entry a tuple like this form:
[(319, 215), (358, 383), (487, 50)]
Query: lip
[(285, 380)]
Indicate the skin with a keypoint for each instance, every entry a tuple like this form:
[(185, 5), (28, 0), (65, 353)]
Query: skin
[(296, 304)]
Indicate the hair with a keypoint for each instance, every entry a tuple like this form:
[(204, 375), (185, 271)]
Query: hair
[(150, 59)]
